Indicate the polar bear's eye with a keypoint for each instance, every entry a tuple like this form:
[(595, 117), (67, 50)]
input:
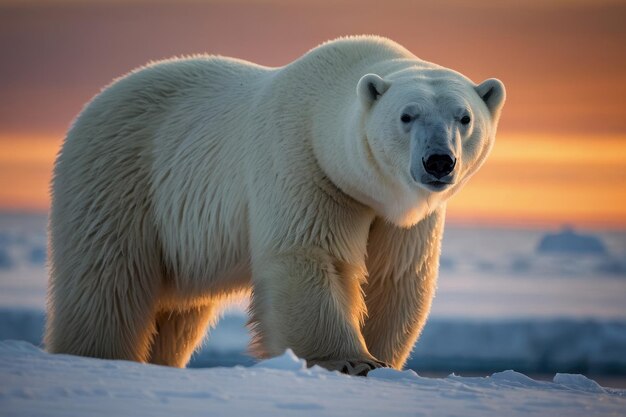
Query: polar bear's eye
[(405, 118), (465, 120)]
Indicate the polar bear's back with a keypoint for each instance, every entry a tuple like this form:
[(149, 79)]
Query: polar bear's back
[(117, 134)]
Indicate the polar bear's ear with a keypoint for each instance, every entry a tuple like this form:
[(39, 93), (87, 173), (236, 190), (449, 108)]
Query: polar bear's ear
[(370, 88), (493, 94)]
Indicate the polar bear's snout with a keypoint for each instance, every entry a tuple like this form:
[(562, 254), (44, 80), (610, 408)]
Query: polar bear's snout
[(435, 169), (439, 165), (439, 171)]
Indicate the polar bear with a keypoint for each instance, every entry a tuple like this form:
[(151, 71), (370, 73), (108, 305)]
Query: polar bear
[(320, 187)]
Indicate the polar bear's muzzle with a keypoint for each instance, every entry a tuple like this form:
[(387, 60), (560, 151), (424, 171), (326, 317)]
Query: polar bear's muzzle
[(433, 157), (439, 168), (439, 165), (436, 170)]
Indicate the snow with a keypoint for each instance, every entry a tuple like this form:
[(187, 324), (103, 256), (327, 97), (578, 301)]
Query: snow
[(287, 362), (34, 383)]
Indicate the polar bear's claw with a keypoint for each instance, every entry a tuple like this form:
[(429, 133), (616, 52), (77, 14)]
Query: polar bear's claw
[(358, 367)]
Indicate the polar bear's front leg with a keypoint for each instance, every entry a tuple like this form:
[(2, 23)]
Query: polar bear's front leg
[(402, 266), (312, 303)]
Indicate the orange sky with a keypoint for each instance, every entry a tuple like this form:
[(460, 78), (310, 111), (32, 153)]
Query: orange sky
[(560, 156)]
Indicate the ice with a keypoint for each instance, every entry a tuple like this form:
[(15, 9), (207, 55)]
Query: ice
[(527, 254), (288, 361), (578, 382), (392, 374), (569, 242), (18, 346), (514, 379)]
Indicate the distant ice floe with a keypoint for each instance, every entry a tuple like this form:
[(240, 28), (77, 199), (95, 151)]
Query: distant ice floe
[(532, 253), (576, 252), (567, 241)]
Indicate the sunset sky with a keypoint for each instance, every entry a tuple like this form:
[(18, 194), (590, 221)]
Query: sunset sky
[(560, 156)]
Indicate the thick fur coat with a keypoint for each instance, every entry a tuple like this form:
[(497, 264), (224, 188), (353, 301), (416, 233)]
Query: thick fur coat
[(319, 186)]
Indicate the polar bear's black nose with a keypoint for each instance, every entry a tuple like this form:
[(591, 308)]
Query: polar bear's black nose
[(439, 165)]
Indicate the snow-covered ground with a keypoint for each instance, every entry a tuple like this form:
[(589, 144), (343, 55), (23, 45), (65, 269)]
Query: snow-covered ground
[(539, 302), (34, 383)]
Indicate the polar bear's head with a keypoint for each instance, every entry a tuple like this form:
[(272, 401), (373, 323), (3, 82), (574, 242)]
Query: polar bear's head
[(427, 131)]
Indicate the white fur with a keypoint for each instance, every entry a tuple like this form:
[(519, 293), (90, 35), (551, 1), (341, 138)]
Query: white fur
[(192, 180)]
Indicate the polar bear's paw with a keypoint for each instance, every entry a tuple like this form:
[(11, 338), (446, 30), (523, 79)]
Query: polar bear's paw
[(359, 367)]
